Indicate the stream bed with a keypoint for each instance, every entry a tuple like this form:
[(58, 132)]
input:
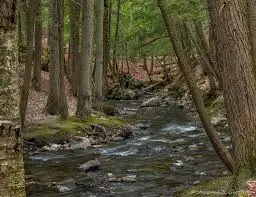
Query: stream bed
[(169, 153)]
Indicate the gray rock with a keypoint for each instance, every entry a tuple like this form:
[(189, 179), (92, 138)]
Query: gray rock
[(142, 126), (52, 148), (90, 165), (126, 179), (178, 163), (121, 94), (198, 173), (227, 139), (109, 109), (62, 189), (196, 182), (152, 102)]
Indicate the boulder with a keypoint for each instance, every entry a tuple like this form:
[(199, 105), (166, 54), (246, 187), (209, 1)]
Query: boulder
[(121, 94), (152, 102), (90, 165), (109, 109)]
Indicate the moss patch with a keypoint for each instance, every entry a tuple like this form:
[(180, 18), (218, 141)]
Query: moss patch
[(60, 131), (215, 188)]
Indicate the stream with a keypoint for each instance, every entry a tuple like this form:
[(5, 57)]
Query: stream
[(169, 153)]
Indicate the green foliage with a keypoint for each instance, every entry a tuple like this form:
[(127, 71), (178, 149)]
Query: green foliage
[(140, 22)]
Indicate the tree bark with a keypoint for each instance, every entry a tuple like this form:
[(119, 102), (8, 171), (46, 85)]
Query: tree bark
[(84, 91), (252, 28), (12, 181), (36, 80), (52, 106), (63, 99), (99, 54), (75, 43), (29, 61), (145, 67), (204, 46), (115, 63), (185, 67), (235, 64), (106, 40)]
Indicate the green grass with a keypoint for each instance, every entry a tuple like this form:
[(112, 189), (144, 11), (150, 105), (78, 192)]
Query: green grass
[(214, 188)]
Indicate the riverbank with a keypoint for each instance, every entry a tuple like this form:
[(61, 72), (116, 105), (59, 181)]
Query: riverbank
[(56, 134)]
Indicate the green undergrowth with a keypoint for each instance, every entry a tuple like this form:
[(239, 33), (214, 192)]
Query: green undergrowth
[(60, 131), (214, 188)]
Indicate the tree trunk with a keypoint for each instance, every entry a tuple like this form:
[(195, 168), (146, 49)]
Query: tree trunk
[(185, 67), (12, 181), (84, 91), (115, 63), (235, 64), (75, 43), (29, 61), (99, 54), (52, 106), (63, 100), (252, 28), (152, 65), (145, 67), (127, 58), (204, 46), (106, 40), (36, 80)]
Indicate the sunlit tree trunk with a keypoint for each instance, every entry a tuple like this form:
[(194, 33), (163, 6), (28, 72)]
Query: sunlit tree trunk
[(11, 152), (84, 91)]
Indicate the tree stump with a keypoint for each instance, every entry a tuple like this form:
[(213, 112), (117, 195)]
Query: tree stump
[(11, 160)]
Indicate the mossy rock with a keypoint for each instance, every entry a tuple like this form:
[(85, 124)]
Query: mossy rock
[(214, 188), (109, 109), (59, 131)]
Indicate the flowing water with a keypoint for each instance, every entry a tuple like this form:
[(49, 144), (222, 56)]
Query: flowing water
[(168, 154)]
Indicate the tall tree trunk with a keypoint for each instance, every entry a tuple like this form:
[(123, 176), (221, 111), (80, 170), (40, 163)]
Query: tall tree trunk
[(99, 54), (75, 43), (152, 65), (235, 64), (36, 80), (185, 67), (204, 46), (145, 67), (29, 61), (252, 28), (127, 58), (106, 43), (63, 108), (12, 181), (115, 63), (84, 91), (52, 106)]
